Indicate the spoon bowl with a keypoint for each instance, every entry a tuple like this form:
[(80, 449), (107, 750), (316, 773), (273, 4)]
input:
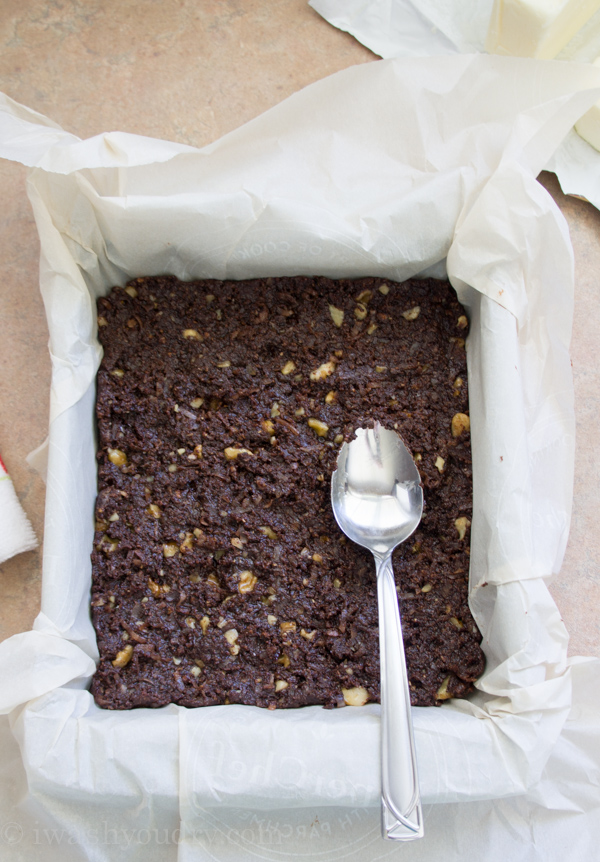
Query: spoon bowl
[(377, 500), (376, 490)]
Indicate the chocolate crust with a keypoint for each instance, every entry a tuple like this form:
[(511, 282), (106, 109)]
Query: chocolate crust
[(219, 573)]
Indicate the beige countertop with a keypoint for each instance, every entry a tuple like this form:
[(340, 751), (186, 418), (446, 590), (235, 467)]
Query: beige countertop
[(190, 72)]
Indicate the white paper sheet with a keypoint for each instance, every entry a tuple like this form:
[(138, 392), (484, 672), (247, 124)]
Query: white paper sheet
[(423, 28), (411, 28), (390, 168)]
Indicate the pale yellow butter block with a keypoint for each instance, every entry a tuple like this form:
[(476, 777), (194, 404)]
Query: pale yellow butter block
[(588, 127), (536, 28)]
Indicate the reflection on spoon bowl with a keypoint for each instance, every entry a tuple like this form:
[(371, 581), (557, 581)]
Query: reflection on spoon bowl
[(376, 490)]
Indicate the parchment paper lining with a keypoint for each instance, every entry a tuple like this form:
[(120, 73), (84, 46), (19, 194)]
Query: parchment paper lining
[(386, 169)]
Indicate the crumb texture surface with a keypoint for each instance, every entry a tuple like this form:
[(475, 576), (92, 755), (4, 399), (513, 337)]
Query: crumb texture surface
[(219, 573)]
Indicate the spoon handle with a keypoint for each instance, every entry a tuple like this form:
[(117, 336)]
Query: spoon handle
[(402, 817)]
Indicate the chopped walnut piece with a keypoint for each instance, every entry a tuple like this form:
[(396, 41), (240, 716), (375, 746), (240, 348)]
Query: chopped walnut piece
[(440, 463), (360, 311), (192, 334), (288, 368), (331, 397), (442, 692), (462, 322), (460, 423), (284, 660), (461, 525), (117, 457), (384, 289), (412, 313), (109, 545), (356, 696), (232, 452), (320, 428), (281, 684), (268, 532), (170, 549), (308, 635), (287, 627), (204, 624), (231, 635), (158, 590), (123, 657), (323, 371), (196, 402), (337, 315), (187, 544), (247, 581)]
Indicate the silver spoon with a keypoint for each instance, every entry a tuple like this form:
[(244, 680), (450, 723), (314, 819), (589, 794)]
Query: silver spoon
[(377, 500)]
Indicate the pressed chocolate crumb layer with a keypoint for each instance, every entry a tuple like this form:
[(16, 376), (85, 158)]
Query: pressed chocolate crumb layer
[(219, 572)]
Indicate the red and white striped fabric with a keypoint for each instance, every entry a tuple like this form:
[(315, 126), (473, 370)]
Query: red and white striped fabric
[(16, 533)]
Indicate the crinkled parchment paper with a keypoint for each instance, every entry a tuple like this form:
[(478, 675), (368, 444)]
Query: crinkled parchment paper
[(423, 28), (391, 168)]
